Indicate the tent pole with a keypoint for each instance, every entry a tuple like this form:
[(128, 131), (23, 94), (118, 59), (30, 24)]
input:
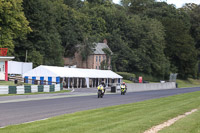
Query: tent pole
[(86, 83), (68, 82), (77, 82), (81, 86), (107, 83), (92, 83), (95, 82), (73, 83)]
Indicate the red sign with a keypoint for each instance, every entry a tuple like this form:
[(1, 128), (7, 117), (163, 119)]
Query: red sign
[(140, 79), (3, 51)]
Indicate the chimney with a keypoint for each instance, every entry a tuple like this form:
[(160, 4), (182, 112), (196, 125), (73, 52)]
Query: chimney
[(105, 41)]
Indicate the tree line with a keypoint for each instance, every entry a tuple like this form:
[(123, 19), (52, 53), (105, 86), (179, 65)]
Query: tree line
[(145, 36)]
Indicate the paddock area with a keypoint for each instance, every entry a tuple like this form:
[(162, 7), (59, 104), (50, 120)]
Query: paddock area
[(71, 77)]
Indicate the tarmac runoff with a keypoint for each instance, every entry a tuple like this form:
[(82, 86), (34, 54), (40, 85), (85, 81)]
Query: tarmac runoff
[(51, 97), (73, 93)]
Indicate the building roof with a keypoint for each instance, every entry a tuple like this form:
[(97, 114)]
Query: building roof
[(99, 48), (6, 58), (54, 71)]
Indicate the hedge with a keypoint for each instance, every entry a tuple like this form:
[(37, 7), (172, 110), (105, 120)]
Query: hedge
[(126, 75)]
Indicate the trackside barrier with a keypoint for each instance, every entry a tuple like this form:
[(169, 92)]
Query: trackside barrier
[(30, 89), (46, 88), (34, 88), (52, 88), (3, 89), (58, 87), (134, 87), (20, 90)]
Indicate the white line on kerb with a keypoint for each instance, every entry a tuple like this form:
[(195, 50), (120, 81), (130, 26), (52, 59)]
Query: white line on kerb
[(168, 123)]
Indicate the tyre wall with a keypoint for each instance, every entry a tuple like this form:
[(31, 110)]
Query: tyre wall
[(30, 89)]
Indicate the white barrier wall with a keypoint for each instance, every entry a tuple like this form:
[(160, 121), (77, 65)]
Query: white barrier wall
[(34, 88), (134, 87), (3, 89), (20, 89), (29, 89), (46, 88), (57, 87)]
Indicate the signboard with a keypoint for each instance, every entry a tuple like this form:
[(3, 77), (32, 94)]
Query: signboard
[(140, 79)]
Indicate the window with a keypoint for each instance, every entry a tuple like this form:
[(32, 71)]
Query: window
[(96, 67), (99, 67), (96, 58), (104, 57), (99, 58)]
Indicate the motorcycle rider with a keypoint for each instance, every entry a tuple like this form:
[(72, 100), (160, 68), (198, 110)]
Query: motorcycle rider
[(101, 87), (123, 86)]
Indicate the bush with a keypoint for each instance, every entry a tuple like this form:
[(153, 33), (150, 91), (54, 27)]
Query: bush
[(127, 76), (148, 77)]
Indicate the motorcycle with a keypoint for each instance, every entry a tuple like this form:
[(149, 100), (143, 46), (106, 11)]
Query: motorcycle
[(123, 91), (100, 93)]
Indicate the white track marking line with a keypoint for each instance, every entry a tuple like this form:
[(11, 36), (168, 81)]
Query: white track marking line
[(168, 123)]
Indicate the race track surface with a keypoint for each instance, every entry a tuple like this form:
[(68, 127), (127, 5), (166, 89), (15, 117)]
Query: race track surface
[(32, 110)]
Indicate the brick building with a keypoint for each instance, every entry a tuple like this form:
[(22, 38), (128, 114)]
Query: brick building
[(94, 61)]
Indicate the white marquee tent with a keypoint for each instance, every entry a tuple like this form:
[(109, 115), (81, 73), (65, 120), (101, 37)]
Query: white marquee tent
[(54, 71)]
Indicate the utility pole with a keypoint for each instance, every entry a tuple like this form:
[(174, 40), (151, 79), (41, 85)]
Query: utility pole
[(26, 55)]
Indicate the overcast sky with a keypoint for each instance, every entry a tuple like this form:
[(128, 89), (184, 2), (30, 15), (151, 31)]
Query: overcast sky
[(178, 3)]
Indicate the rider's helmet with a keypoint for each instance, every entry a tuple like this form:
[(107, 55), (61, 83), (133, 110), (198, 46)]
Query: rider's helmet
[(123, 83)]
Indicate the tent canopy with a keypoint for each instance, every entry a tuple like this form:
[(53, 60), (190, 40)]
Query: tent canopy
[(54, 71)]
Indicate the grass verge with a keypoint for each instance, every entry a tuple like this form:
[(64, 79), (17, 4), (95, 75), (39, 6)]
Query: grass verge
[(11, 83), (127, 81), (7, 83), (188, 83), (189, 124), (127, 118)]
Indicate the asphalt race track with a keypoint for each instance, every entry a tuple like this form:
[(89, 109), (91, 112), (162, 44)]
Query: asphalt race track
[(32, 110)]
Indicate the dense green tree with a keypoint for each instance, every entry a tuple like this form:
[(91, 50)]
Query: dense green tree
[(128, 37), (74, 3), (45, 38), (195, 24), (178, 38), (71, 26), (138, 6), (87, 48), (99, 1), (145, 36), (176, 25), (13, 23)]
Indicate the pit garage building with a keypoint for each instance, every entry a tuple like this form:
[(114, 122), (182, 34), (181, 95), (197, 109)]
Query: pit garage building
[(71, 77)]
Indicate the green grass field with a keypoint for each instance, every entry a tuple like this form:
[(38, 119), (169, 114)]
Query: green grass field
[(188, 83), (127, 118), (11, 83), (127, 81), (189, 124), (7, 83)]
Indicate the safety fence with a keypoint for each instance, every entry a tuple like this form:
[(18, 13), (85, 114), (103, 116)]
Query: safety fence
[(135, 87), (30, 89)]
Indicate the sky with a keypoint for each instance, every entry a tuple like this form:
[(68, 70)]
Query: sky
[(178, 3)]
